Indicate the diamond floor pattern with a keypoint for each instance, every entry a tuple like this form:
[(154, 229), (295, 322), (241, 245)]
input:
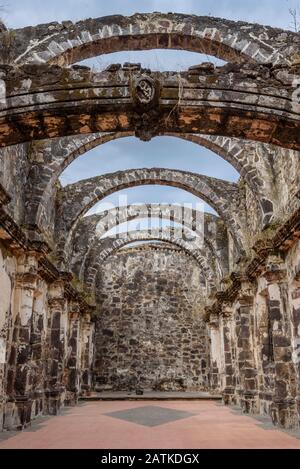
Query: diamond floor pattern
[(150, 416)]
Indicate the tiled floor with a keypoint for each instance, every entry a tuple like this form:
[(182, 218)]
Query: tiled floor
[(151, 415), (133, 425)]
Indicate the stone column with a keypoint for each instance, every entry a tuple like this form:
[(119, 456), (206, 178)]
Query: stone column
[(5, 325), (38, 347), (283, 408), (229, 373), (245, 349), (215, 352), (74, 353), (87, 337), (295, 318), (55, 388), (19, 379)]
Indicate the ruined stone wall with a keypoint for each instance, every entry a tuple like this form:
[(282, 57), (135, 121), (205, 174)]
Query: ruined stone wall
[(7, 269), (46, 337), (285, 169), (253, 215), (156, 327), (150, 332), (293, 292), (283, 179), (14, 169), (260, 334)]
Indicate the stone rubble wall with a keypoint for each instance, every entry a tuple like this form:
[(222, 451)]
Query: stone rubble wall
[(260, 332), (14, 169), (7, 270), (150, 333), (46, 342)]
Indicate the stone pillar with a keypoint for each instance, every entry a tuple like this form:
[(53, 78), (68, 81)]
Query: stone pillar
[(38, 347), (19, 378), (55, 388), (283, 408), (87, 339), (215, 352), (5, 325), (295, 318), (74, 354), (2, 381), (245, 349), (228, 392)]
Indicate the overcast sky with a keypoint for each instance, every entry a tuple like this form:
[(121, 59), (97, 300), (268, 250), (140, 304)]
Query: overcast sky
[(162, 151), (18, 13)]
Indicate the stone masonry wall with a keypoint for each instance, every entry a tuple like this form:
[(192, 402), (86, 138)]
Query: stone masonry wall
[(149, 332), (46, 335), (14, 168), (7, 269)]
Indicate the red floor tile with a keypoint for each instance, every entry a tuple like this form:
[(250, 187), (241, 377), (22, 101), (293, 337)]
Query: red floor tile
[(212, 426)]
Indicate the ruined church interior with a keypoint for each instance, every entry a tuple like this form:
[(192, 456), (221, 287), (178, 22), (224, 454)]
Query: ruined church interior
[(198, 311)]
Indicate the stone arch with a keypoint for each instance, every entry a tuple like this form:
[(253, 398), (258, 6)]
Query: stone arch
[(104, 248), (210, 228), (67, 42), (76, 199), (248, 102), (58, 154)]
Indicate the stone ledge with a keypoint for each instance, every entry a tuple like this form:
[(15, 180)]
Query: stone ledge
[(16, 240), (151, 396), (283, 240)]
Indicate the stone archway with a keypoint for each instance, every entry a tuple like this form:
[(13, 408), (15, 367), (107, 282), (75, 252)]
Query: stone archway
[(66, 43), (248, 102), (75, 200), (106, 247), (249, 323), (250, 159), (91, 229)]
